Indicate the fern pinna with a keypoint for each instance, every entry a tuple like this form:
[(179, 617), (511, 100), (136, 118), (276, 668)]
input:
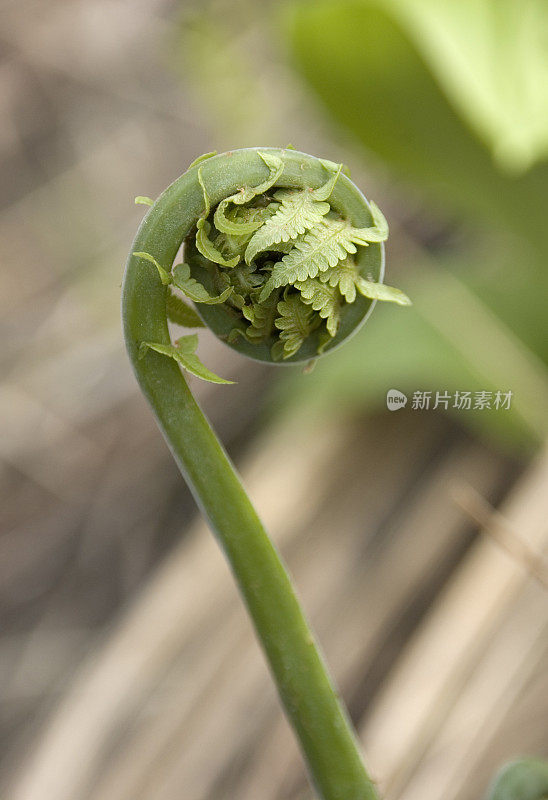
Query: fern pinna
[(283, 258)]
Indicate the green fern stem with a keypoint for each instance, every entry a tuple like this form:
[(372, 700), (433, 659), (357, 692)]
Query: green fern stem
[(319, 720)]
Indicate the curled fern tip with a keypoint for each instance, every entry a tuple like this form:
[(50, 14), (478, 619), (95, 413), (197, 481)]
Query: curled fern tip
[(285, 259)]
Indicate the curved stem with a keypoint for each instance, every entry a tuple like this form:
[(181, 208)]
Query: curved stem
[(320, 722)]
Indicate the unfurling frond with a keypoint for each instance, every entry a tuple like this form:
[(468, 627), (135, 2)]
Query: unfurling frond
[(165, 277), (295, 323), (194, 290), (208, 249), (322, 247), (379, 291), (279, 255), (324, 192), (379, 230), (261, 316), (203, 242), (276, 167), (241, 220), (343, 275), (324, 299), (184, 352), (300, 211), (247, 193), (346, 276), (223, 223)]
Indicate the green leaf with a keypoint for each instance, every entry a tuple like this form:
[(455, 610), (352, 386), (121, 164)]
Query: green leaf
[(141, 200), (207, 203), (324, 299), (202, 158), (261, 316), (241, 221), (235, 334), (379, 291), (319, 249), (208, 249), (389, 75), (204, 244), (379, 231), (277, 351), (183, 351), (231, 226), (299, 211), (295, 323), (333, 167), (245, 279), (526, 779), (194, 290), (492, 61), (191, 363), (181, 313), (230, 245), (324, 192), (344, 275), (275, 166), (247, 193), (165, 276), (223, 281)]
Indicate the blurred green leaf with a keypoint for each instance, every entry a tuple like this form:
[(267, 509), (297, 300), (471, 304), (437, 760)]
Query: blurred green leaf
[(492, 61), (521, 780), (361, 59), (439, 92), (218, 54)]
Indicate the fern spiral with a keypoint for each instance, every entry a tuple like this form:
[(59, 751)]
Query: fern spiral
[(283, 256), (283, 259)]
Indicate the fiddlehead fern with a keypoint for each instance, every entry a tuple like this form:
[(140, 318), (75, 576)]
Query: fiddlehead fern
[(282, 259)]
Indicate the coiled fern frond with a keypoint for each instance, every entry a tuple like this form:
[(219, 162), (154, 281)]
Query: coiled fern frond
[(267, 277), (283, 260), (267, 257)]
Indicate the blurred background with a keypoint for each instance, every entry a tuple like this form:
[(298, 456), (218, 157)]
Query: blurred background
[(128, 670)]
